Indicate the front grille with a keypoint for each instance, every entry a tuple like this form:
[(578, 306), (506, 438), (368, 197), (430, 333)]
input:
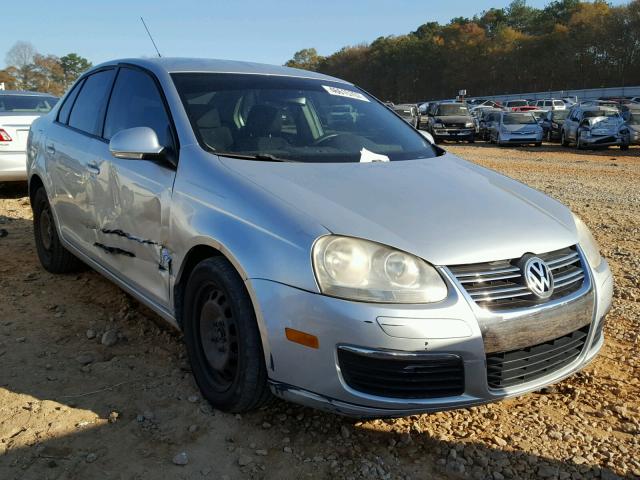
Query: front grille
[(421, 376), (500, 285), (507, 369), (455, 125)]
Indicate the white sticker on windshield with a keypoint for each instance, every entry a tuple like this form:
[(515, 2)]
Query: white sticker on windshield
[(367, 156), (341, 92)]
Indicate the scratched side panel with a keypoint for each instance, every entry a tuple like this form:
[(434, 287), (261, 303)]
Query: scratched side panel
[(131, 221)]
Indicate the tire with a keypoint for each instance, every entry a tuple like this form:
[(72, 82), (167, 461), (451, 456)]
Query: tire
[(624, 146), (549, 139), (472, 139), (52, 254), (579, 145), (538, 144), (222, 338), (563, 139)]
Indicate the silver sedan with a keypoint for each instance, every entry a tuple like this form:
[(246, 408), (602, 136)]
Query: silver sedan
[(309, 243)]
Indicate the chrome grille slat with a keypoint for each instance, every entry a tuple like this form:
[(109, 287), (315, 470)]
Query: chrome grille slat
[(491, 291), (553, 263), (499, 285), (489, 272)]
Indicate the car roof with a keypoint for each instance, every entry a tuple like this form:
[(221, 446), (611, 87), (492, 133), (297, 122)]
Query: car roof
[(26, 93), (207, 65)]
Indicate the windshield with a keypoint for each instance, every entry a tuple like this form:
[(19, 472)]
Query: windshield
[(600, 113), (517, 103), (518, 119), (451, 110), (26, 103), (560, 114), (298, 119)]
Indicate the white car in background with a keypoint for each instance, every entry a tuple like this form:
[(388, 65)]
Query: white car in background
[(18, 110)]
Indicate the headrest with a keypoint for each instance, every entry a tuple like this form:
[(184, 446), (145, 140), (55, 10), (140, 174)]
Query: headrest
[(211, 119), (264, 120)]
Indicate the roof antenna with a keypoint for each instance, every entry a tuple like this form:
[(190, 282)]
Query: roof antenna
[(150, 37)]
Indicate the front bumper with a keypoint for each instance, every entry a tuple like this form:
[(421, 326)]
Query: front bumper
[(313, 377), (520, 139), (603, 140), (13, 166), (454, 133)]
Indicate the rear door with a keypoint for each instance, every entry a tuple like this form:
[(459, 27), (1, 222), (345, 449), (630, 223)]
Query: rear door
[(133, 196), (71, 163)]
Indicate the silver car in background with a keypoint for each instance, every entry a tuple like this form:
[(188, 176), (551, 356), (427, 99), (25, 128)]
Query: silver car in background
[(514, 128), (595, 125), (338, 261), (18, 109)]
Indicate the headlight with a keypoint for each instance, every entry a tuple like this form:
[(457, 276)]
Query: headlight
[(588, 243), (469, 124), (357, 269), (438, 125)]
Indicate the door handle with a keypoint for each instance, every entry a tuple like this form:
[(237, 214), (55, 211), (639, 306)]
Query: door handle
[(50, 148), (93, 168)]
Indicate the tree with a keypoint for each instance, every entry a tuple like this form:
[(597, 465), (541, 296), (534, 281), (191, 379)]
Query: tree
[(73, 65), (21, 57), (48, 75), (6, 77), (307, 59)]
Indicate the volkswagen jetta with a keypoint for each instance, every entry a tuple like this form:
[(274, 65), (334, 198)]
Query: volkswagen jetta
[(309, 243)]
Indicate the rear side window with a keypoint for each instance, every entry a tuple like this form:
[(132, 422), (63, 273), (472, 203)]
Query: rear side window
[(63, 114), (136, 102), (88, 110)]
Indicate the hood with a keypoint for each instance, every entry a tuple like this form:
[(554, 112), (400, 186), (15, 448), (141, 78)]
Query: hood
[(607, 123), (445, 210), (453, 118)]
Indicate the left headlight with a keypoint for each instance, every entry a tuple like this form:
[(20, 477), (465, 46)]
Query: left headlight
[(469, 124), (357, 269), (588, 243)]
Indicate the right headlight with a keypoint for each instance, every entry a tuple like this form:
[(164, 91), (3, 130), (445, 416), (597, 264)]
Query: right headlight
[(588, 243), (357, 269)]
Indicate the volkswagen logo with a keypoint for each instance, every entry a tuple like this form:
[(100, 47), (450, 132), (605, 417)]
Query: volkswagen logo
[(538, 277)]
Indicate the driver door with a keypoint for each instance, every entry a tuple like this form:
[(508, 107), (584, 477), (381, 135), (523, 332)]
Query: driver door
[(133, 196)]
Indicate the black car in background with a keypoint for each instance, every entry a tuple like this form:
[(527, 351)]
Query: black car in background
[(552, 124), (450, 121)]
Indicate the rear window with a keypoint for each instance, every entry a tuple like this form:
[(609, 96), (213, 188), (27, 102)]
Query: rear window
[(26, 103), (88, 109)]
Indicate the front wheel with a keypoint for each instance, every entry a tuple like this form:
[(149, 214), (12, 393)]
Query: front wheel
[(624, 146), (563, 139), (549, 135), (223, 340), (52, 254)]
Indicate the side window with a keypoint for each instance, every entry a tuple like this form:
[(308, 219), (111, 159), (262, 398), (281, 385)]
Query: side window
[(136, 102), (88, 110), (63, 113)]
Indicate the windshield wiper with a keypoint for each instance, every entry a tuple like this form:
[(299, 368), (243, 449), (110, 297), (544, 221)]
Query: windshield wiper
[(264, 157)]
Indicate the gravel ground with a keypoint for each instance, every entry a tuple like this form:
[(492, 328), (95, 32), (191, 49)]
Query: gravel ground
[(92, 387)]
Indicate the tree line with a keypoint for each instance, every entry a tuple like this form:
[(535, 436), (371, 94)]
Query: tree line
[(27, 69), (568, 44)]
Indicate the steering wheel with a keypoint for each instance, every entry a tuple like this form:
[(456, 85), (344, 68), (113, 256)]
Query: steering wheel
[(322, 140)]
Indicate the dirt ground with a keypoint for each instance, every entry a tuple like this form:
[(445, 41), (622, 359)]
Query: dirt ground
[(72, 407)]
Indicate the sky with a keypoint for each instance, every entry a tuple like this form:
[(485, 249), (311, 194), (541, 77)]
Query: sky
[(251, 30)]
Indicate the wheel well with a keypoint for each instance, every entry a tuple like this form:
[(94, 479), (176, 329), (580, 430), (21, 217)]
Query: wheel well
[(34, 184), (193, 258)]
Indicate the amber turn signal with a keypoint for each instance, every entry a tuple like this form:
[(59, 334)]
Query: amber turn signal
[(302, 338)]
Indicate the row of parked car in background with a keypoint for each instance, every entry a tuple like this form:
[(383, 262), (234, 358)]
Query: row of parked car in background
[(583, 124)]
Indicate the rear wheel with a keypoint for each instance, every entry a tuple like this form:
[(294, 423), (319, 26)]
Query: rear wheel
[(223, 340), (53, 256)]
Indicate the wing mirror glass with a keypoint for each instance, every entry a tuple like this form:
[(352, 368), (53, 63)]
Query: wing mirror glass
[(136, 143)]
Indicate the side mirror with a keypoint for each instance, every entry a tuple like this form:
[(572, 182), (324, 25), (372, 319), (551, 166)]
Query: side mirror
[(428, 136), (137, 143)]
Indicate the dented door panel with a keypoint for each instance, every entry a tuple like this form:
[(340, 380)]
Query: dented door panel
[(131, 212)]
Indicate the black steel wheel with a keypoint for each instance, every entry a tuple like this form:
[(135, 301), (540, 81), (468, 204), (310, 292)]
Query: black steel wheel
[(222, 338), (54, 257)]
